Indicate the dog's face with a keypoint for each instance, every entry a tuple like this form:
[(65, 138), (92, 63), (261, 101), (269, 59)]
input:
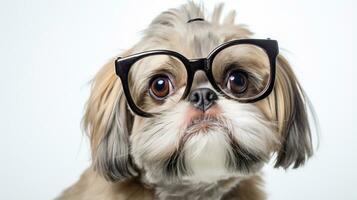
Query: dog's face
[(205, 137)]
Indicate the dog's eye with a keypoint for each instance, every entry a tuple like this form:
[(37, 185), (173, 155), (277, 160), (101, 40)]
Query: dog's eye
[(160, 87), (237, 82)]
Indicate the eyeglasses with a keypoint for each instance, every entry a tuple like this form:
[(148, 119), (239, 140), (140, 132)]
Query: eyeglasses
[(153, 81)]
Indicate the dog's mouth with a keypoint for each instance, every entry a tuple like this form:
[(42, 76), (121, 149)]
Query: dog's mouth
[(202, 124)]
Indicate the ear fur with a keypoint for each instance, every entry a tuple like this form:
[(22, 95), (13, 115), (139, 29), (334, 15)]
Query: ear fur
[(291, 111), (108, 121)]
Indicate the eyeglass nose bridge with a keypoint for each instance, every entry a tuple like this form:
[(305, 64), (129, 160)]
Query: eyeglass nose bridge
[(194, 66), (198, 64)]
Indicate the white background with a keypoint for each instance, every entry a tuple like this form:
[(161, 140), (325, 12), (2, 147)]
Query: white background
[(50, 49)]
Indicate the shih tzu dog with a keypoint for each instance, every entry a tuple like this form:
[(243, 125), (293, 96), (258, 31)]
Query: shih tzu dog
[(192, 111)]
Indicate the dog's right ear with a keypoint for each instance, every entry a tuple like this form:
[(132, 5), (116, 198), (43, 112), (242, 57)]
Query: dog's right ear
[(108, 121)]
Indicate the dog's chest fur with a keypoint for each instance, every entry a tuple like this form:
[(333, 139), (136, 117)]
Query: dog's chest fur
[(196, 191), (92, 186)]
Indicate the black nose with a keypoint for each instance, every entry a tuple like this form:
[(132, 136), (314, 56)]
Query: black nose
[(202, 98)]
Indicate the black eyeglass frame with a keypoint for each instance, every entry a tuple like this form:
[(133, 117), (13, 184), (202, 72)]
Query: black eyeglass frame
[(123, 65)]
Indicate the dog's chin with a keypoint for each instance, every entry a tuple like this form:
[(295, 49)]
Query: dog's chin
[(206, 149), (205, 152)]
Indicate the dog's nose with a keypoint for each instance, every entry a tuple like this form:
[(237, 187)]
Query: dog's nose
[(202, 98)]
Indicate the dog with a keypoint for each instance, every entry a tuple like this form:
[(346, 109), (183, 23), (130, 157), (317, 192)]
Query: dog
[(193, 111)]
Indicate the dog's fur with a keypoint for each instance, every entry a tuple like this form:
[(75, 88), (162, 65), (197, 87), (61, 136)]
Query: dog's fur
[(151, 158)]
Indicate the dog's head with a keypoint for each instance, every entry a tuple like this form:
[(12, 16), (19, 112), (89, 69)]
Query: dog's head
[(199, 134)]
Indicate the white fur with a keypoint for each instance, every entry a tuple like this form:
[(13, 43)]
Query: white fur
[(206, 155), (249, 126)]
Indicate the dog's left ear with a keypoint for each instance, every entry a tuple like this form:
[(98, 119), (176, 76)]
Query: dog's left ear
[(290, 105), (108, 122)]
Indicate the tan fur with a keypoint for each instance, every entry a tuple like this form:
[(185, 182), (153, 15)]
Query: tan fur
[(91, 186), (247, 190), (105, 89)]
